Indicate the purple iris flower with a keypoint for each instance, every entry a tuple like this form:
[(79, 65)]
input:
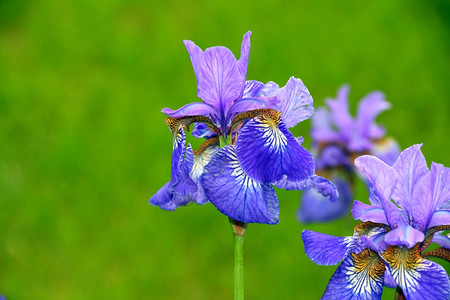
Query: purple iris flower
[(338, 138), (248, 146), (390, 246)]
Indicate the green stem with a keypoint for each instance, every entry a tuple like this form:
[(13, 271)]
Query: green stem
[(238, 229), (238, 267)]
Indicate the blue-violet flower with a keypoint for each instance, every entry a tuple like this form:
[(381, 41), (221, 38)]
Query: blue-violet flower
[(248, 146), (390, 246)]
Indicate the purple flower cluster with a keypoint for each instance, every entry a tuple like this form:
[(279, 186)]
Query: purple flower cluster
[(390, 247), (248, 147), (338, 138)]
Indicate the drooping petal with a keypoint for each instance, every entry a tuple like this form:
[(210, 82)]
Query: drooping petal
[(221, 82), (418, 278), (268, 152), (431, 193), (184, 187), (191, 109), (382, 179), (410, 167), (235, 194), (294, 102), (340, 112), (179, 148), (180, 189), (242, 63), (360, 276), (324, 249), (195, 54), (163, 197), (372, 213), (166, 198), (315, 207), (404, 235), (368, 109)]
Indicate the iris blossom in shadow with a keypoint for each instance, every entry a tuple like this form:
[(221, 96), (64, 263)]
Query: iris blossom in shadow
[(338, 138)]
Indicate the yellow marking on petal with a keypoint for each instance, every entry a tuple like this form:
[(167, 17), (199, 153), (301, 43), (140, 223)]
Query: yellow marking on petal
[(365, 274), (405, 265), (368, 261), (174, 124), (396, 256), (273, 137), (273, 115)]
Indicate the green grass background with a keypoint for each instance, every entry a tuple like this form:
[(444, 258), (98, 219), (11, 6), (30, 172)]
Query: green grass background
[(83, 144)]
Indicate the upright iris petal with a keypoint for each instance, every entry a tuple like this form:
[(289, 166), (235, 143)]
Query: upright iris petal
[(411, 166), (430, 197), (221, 82)]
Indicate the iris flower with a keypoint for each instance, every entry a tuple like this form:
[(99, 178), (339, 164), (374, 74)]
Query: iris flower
[(248, 146), (338, 138), (390, 246)]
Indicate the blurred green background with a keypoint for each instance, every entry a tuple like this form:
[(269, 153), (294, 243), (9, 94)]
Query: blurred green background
[(84, 145)]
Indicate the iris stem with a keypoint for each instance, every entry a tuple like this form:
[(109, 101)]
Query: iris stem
[(238, 267), (238, 229)]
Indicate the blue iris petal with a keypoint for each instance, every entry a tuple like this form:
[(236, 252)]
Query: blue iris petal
[(235, 194), (419, 278), (360, 276), (324, 249), (163, 197), (180, 189), (267, 152), (321, 185), (317, 208)]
